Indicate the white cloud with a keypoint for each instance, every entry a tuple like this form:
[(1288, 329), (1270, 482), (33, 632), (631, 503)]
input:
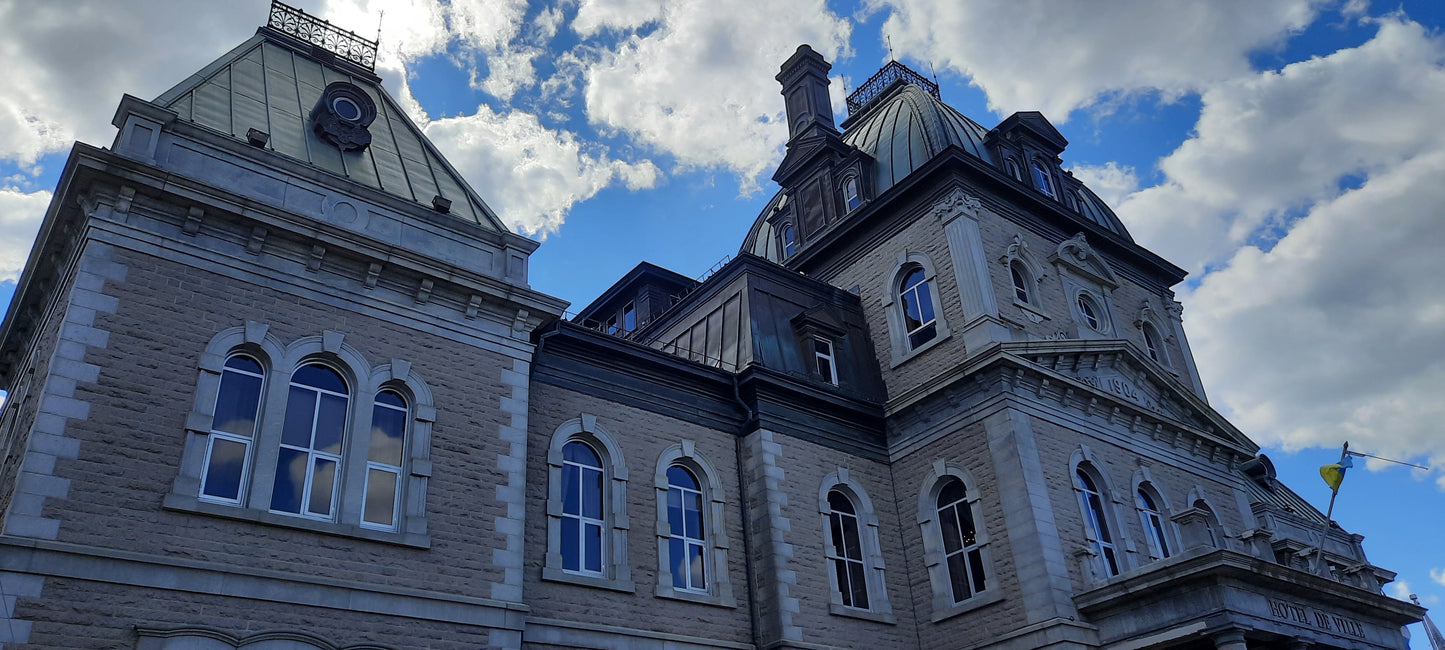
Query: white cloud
[(1438, 575), (1400, 589), (596, 16), (67, 63), (1338, 332), (678, 88), (530, 174), (1270, 143), (1059, 56), (20, 217), (1110, 181)]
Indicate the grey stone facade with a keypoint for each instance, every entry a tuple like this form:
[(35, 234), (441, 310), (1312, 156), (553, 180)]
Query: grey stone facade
[(802, 389)]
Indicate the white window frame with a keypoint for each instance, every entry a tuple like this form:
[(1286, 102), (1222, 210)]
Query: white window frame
[(581, 517), (378, 466), (879, 608), (820, 356), (216, 434), (364, 381), (718, 590), (1043, 180), (312, 454), (688, 542), (852, 198), (838, 530), (935, 556), (616, 571), (901, 349), (1090, 554), (1153, 519), (789, 243)]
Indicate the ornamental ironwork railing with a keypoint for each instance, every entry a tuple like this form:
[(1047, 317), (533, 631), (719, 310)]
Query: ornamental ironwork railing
[(298, 24), (879, 82)]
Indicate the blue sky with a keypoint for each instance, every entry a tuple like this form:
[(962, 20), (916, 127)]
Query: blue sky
[(1286, 153)]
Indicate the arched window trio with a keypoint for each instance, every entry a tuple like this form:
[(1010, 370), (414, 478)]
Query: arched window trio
[(1104, 531), (306, 432)]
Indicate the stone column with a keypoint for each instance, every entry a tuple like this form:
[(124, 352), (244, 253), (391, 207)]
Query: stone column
[(1231, 639), (959, 214), (1176, 322)]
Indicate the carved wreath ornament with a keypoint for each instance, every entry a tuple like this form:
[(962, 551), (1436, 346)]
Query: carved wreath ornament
[(341, 116)]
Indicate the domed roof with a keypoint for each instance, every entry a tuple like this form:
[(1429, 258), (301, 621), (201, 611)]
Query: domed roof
[(902, 129), (908, 128)]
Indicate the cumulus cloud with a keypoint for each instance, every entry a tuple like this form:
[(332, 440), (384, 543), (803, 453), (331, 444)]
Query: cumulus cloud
[(595, 16), (1060, 56), (1400, 589), (530, 174), (20, 216), (1110, 181), (1438, 575), (67, 63), (1338, 331), (1271, 143), (677, 88)]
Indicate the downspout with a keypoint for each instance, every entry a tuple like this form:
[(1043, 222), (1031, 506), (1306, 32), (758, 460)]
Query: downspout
[(743, 502)]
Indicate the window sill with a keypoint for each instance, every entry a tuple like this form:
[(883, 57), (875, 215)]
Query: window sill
[(913, 353), (664, 591), (976, 602), (182, 503), (1031, 312), (863, 614), (553, 574)]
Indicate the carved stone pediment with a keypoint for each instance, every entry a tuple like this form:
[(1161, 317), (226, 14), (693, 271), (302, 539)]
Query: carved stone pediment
[(956, 203), (1077, 256)]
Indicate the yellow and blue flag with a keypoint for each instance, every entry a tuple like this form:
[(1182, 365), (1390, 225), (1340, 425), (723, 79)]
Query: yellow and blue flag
[(1334, 473)]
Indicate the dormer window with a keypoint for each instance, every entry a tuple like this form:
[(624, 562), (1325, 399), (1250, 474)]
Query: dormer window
[(790, 243), (1041, 179), (1011, 166), (851, 199), (629, 318)]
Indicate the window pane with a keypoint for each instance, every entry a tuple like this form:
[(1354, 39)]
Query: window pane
[(911, 315), (1159, 533), (571, 496), (839, 503), (380, 497), (223, 470), (593, 542), (825, 370), (330, 424), (681, 477), (592, 493), (677, 561), (290, 481), (952, 537), (692, 514), (244, 363), (922, 336), (925, 302), (571, 540), (840, 572), (695, 566), (300, 413), (322, 482), (388, 430), (674, 511), (975, 561), (859, 583), (1098, 512), (965, 524), (390, 398), (958, 577), (580, 453), (1110, 562), (914, 277), (236, 404), (853, 550), (321, 377), (951, 493), (835, 530)]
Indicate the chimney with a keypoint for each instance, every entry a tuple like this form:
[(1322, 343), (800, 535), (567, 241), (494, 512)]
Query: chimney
[(805, 92)]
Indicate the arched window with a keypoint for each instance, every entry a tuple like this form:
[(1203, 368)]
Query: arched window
[(1096, 523), (582, 519), (851, 199), (312, 438), (1211, 522), (687, 546), (790, 244), (960, 541), (1041, 179), (845, 551), (1019, 274), (1152, 344), (1153, 521), (1011, 166), (233, 429), (915, 294), (384, 457)]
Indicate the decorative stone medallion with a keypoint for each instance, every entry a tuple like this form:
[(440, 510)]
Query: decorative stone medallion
[(341, 116)]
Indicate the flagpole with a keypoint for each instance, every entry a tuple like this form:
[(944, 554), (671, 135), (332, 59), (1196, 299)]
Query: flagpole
[(1329, 512)]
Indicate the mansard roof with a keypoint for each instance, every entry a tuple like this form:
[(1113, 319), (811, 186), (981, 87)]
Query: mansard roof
[(908, 128), (271, 82)]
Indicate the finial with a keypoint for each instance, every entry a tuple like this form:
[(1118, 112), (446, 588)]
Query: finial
[(889, 38), (934, 71), (381, 16)]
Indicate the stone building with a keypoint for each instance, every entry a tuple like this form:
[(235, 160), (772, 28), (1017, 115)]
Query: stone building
[(277, 380)]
